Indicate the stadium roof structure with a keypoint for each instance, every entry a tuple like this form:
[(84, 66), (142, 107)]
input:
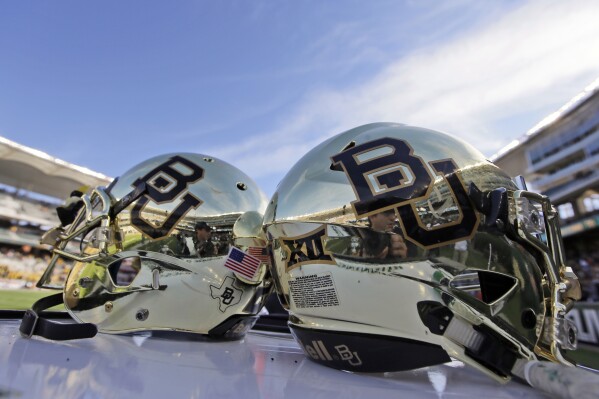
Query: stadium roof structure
[(35, 171), (549, 120)]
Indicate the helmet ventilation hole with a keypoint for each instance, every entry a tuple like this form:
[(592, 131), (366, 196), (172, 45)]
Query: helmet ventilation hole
[(529, 319), (207, 159), (124, 271), (484, 285), (242, 186), (494, 286)]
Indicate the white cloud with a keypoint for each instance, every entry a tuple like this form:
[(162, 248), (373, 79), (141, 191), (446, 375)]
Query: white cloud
[(532, 59)]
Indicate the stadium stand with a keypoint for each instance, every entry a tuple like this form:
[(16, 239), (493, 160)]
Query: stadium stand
[(32, 184)]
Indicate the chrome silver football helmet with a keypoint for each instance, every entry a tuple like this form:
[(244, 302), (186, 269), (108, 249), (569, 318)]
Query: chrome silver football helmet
[(174, 244), (395, 247)]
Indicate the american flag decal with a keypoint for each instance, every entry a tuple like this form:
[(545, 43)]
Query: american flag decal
[(242, 263), (260, 253)]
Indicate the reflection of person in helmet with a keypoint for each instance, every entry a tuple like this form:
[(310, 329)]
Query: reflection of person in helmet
[(461, 251), (382, 221), (166, 250), (202, 240), (381, 241)]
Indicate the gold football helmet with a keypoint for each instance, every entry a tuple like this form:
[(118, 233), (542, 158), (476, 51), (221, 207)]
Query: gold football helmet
[(174, 244), (395, 247)]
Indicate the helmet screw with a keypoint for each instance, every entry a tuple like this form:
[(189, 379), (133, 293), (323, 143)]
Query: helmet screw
[(108, 307), (562, 287), (85, 282), (571, 336), (76, 292), (142, 314)]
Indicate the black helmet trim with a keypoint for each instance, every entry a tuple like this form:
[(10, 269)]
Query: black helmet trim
[(369, 353), (234, 327)]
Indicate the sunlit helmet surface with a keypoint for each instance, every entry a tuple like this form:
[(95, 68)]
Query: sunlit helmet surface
[(396, 247), (174, 244)]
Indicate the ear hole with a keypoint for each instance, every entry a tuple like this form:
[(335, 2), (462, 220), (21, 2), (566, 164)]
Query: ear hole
[(484, 285), (494, 286), (124, 271)]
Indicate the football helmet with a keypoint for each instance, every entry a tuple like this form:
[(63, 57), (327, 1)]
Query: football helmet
[(395, 247), (174, 244)]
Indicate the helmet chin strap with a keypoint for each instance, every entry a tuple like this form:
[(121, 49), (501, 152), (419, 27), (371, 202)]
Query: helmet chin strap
[(557, 380), (33, 324), (139, 190)]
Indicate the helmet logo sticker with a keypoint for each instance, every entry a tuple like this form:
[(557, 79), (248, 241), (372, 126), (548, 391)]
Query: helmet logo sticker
[(386, 174), (306, 249), (318, 351), (227, 294), (166, 183), (442, 234), (347, 355)]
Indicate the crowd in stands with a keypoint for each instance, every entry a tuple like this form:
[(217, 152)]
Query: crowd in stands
[(587, 270), (23, 264), (14, 203)]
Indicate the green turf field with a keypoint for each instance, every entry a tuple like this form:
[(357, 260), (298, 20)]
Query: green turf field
[(23, 299)]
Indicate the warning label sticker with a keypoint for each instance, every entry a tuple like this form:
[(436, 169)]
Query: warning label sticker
[(313, 291)]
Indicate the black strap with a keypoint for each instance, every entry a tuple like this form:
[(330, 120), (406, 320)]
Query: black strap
[(128, 199), (33, 324)]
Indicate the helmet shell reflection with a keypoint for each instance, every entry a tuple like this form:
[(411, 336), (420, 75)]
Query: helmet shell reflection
[(164, 263), (376, 239)]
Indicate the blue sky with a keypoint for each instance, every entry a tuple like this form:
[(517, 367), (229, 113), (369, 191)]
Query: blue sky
[(107, 84)]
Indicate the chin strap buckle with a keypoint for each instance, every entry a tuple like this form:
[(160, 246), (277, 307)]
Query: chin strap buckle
[(32, 324), (28, 324)]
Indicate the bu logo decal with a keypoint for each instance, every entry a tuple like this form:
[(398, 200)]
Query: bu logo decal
[(165, 183), (227, 294), (386, 174), (318, 351)]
